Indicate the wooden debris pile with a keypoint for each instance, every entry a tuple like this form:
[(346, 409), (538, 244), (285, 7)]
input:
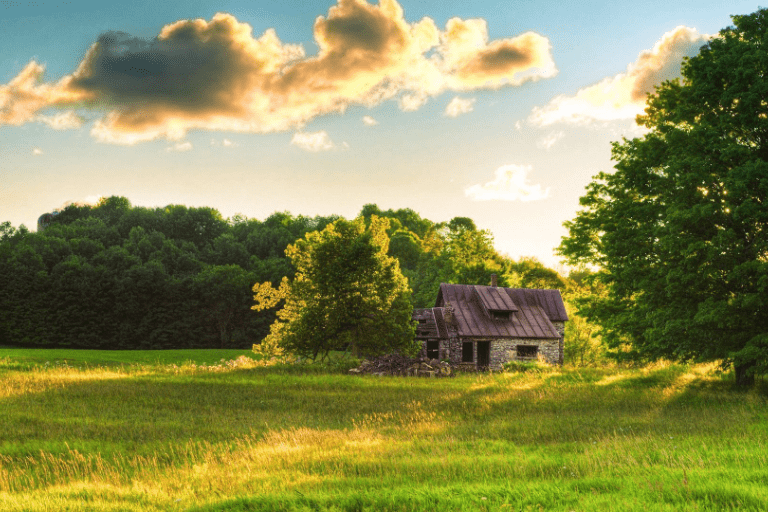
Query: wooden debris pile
[(394, 364)]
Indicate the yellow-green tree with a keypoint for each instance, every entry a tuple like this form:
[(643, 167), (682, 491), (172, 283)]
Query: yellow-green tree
[(347, 294)]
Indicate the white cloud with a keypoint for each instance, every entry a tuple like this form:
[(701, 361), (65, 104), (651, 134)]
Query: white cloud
[(519, 126), (228, 143), (315, 141), (37, 151), (550, 140), (369, 121), (459, 106), (509, 184), (623, 96), (180, 146), (62, 121)]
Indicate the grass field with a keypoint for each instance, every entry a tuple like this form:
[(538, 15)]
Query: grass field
[(182, 430)]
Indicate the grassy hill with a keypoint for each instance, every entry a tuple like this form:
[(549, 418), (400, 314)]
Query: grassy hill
[(184, 430)]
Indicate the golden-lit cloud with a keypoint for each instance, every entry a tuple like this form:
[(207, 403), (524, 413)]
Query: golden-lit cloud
[(369, 121), (474, 62), (216, 75), (315, 141), (510, 183), (458, 106), (37, 151), (24, 96), (623, 96)]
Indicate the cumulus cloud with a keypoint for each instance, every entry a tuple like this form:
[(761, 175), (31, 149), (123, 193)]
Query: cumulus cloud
[(623, 96), (509, 184), (216, 75), (459, 106), (180, 146), (315, 141), (37, 151), (369, 121)]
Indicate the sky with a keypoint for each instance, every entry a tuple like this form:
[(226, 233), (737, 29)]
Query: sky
[(501, 111)]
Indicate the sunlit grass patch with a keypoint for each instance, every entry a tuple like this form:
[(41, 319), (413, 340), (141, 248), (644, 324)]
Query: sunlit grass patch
[(218, 436)]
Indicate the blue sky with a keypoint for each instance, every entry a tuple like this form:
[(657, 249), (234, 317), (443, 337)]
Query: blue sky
[(499, 111)]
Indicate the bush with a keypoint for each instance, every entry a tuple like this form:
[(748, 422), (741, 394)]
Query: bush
[(525, 366)]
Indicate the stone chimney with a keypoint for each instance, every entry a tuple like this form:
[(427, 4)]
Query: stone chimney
[(494, 282), (448, 314)]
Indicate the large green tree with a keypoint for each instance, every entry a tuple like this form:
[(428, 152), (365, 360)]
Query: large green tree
[(680, 230), (347, 293)]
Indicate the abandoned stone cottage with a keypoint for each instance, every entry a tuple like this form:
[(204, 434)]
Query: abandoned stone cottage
[(485, 326)]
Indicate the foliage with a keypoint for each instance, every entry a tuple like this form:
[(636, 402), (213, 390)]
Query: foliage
[(122, 277), (119, 276), (679, 230), (347, 293), (525, 366), (584, 345)]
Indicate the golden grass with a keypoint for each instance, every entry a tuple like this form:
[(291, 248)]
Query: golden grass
[(654, 437)]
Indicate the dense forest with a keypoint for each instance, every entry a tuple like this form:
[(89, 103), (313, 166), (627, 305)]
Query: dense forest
[(118, 276)]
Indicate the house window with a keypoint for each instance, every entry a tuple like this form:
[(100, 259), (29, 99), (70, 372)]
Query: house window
[(500, 315), (467, 352), (422, 321), (433, 350), (527, 351)]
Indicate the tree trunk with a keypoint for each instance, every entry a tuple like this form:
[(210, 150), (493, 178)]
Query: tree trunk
[(742, 379)]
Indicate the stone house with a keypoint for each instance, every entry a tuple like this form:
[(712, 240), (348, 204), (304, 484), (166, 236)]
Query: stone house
[(483, 327)]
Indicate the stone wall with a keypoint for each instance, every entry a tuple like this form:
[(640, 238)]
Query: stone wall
[(502, 350), (450, 350), (506, 350), (560, 328), (447, 350)]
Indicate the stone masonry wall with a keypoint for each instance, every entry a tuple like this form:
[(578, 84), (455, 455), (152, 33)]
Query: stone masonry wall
[(506, 350), (503, 350), (560, 327), (450, 350)]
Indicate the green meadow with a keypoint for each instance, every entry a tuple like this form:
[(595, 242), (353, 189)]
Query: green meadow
[(211, 430)]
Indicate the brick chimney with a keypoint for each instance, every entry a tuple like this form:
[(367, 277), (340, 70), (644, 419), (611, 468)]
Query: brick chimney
[(494, 282)]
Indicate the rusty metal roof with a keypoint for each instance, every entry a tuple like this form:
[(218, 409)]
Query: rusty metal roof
[(535, 311), (442, 329), (430, 323), (494, 299)]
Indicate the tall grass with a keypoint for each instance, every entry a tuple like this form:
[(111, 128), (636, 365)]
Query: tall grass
[(205, 436)]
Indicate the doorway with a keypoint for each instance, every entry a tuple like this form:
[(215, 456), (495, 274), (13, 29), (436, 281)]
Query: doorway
[(483, 354)]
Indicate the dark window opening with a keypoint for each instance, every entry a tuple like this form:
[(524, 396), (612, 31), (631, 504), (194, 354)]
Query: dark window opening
[(422, 320), (500, 315), (467, 352), (433, 350), (527, 351)]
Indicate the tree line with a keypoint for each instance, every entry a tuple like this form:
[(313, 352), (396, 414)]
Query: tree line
[(118, 276)]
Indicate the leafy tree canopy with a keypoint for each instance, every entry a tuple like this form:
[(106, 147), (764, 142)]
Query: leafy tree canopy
[(114, 275), (347, 293), (680, 230)]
